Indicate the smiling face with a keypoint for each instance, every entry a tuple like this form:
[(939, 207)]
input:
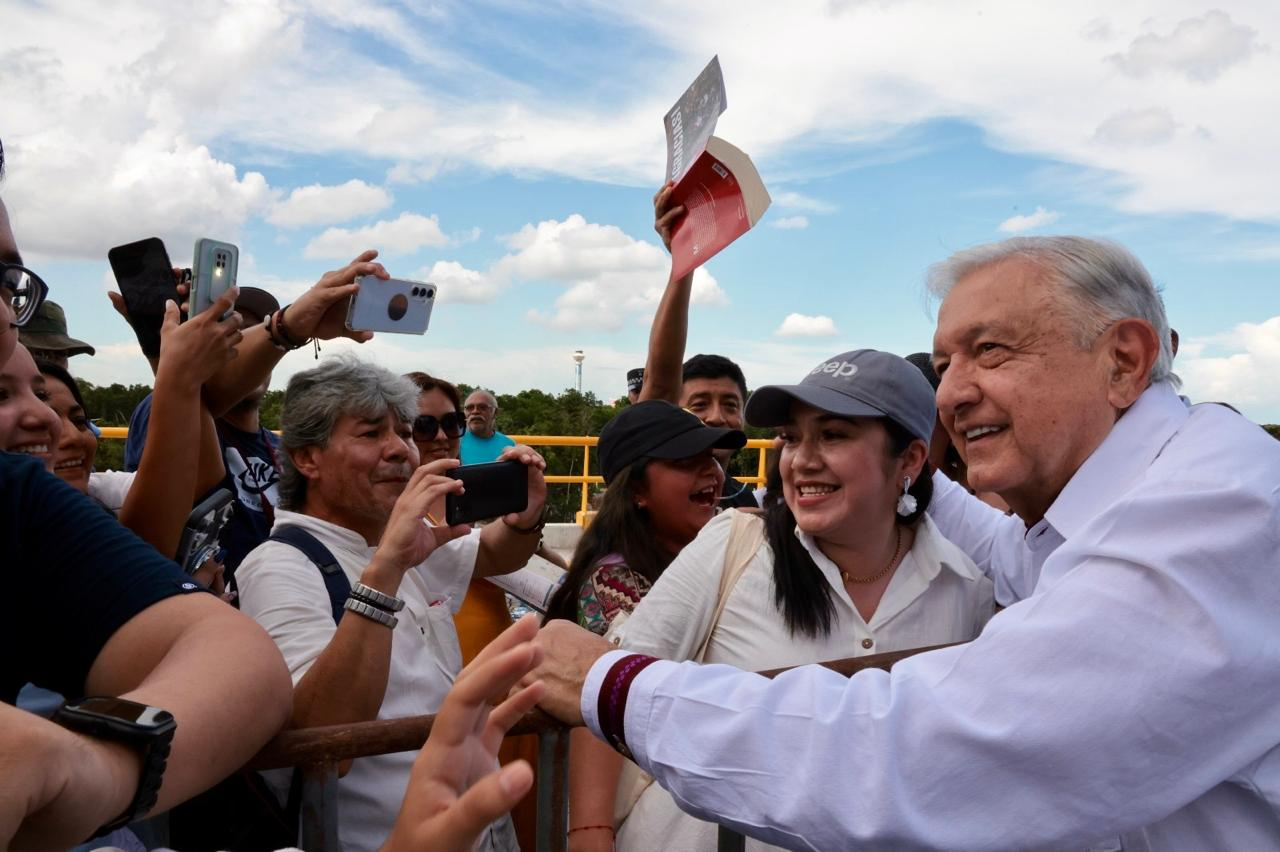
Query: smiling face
[(9, 254), (435, 403), (356, 478), (680, 496), (1023, 402), (27, 424), (716, 402), (836, 470), (73, 459)]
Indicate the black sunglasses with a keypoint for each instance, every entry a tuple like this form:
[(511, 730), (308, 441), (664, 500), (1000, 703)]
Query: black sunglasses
[(23, 290), (425, 426)]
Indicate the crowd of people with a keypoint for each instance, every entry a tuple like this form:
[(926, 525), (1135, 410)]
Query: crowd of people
[(1097, 555)]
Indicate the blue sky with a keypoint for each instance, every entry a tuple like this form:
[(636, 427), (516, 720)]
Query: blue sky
[(508, 151)]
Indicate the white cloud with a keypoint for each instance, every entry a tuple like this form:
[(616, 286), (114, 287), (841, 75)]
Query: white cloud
[(1137, 127), (405, 234), (328, 205), (791, 223), (801, 325), (610, 275), (457, 283), (799, 201), (1036, 219), (1199, 48), (1238, 367)]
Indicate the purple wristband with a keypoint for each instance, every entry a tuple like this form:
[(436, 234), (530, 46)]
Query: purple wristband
[(612, 706)]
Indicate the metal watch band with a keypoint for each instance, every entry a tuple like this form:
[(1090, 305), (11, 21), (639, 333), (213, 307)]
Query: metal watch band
[(381, 600), (371, 612)]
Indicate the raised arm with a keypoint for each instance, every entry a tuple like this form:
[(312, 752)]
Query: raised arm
[(171, 473), (663, 369), (507, 544), (321, 313)]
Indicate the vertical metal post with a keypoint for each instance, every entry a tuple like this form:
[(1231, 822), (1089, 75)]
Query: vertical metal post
[(728, 840), (553, 790), (319, 811), (586, 471), (762, 468)]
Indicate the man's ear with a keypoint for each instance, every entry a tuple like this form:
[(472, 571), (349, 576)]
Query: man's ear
[(1132, 348), (306, 460)]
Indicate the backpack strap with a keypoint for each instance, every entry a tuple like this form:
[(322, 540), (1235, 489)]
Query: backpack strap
[(335, 580), (746, 535)]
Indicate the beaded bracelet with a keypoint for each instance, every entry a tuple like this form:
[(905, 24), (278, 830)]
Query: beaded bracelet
[(590, 827)]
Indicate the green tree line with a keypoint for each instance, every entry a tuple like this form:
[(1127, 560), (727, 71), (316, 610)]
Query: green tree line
[(529, 412)]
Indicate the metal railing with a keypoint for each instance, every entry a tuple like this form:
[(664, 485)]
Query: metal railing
[(583, 480), (319, 751)]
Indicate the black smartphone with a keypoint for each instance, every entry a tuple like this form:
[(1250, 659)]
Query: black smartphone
[(492, 490), (145, 277), (204, 525)]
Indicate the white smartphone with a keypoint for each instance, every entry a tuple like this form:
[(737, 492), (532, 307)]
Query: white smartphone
[(394, 305), (213, 272)]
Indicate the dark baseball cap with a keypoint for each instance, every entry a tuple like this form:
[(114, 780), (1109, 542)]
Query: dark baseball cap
[(656, 429), (862, 383), (47, 329), (635, 379)]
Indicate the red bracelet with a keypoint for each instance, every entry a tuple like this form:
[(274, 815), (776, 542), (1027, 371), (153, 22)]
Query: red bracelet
[(609, 828)]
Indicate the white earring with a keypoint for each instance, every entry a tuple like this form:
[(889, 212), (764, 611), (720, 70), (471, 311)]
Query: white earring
[(907, 502)]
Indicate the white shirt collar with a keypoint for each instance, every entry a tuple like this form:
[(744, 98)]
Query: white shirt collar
[(931, 552), (1129, 448)]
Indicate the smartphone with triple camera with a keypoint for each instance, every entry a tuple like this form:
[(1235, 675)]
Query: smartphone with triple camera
[(213, 272), (493, 489), (145, 278), (396, 305), (204, 526)]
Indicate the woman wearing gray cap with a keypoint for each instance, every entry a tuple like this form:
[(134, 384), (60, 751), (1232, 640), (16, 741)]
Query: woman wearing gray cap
[(846, 563)]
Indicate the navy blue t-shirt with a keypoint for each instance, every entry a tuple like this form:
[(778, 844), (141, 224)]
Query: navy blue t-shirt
[(73, 577)]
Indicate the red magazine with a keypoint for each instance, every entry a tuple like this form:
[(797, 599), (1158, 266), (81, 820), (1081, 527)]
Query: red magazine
[(719, 187), (723, 198)]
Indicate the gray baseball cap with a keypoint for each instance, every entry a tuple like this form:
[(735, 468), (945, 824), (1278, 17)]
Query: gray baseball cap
[(862, 383)]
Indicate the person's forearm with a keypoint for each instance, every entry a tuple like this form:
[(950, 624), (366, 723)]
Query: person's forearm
[(163, 491), (503, 550), (593, 779), (663, 369), (993, 540), (256, 357), (214, 669), (348, 681)]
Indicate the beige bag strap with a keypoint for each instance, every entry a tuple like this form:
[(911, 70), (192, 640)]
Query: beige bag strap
[(746, 534)]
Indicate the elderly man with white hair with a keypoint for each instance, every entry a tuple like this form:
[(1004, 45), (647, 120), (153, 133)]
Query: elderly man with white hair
[(1132, 686)]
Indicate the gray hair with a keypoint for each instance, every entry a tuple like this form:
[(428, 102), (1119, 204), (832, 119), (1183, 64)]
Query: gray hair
[(1098, 282), (316, 398), (493, 400)]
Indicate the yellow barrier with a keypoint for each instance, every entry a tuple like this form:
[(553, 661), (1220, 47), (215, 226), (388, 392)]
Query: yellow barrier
[(760, 445)]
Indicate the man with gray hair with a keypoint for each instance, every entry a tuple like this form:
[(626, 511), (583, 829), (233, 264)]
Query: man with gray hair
[(1130, 689), (482, 442), (352, 493)]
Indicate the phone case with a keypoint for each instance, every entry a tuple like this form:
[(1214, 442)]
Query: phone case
[(213, 272), (203, 527), (145, 278), (396, 305), (492, 490)]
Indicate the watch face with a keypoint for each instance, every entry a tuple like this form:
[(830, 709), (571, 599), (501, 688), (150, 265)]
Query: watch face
[(126, 711)]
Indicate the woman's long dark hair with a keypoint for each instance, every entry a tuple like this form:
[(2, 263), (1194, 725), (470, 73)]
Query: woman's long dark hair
[(619, 527), (799, 589)]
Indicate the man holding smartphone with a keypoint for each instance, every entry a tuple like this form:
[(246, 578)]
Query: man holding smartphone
[(352, 494)]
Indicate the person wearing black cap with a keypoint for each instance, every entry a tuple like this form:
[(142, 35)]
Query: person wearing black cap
[(845, 564), (635, 381), (663, 486)]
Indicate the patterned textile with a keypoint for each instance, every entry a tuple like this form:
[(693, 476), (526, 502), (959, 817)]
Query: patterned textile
[(610, 589)]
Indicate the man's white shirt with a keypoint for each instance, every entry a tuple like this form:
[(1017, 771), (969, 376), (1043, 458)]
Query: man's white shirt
[(1132, 688), (283, 591)]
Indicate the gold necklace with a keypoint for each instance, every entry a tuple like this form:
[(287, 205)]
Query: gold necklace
[(897, 549)]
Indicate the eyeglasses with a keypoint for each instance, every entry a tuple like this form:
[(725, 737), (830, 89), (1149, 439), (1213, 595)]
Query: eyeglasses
[(425, 426), (23, 290)]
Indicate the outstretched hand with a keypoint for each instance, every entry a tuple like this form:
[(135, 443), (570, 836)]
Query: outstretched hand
[(456, 788), (322, 310), (408, 540), (537, 485), (195, 350)]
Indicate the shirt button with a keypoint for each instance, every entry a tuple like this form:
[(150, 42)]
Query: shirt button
[(867, 643)]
